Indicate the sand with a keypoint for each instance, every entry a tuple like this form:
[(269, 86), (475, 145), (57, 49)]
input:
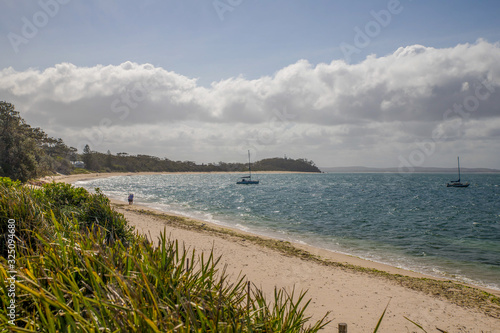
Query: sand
[(351, 296)]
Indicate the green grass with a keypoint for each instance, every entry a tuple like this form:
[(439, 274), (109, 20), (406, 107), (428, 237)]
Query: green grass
[(80, 268)]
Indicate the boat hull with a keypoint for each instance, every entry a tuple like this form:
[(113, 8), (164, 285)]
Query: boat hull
[(248, 182), (457, 185)]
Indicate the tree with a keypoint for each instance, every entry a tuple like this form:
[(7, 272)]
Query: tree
[(26, 152), (109, 159), (87, 157), (20, 154), (58, 154)]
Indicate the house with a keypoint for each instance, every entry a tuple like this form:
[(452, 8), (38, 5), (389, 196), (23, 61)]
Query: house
[(78, 164)]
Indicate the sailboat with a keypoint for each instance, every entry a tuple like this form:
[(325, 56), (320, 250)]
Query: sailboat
[(247, 180), (457, 183)]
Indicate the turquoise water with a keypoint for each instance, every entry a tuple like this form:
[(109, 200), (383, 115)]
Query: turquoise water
[(412, 221)]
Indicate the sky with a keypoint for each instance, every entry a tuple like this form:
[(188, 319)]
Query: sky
[(343, 83)]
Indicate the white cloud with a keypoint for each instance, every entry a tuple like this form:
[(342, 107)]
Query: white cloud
[(381, 104)]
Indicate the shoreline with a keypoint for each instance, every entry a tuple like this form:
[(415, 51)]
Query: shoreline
[(269, 262), (305, 251), (95, 175)]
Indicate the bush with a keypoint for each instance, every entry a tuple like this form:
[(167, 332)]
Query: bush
[(90, 209), (61, 194), (97, 210), (79, 171), (9, 182), (28, 210), (34, 209)]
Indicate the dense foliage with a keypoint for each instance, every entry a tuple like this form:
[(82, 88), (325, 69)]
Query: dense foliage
[(35, 210), (26, 152), (123, 162), (285, 164), (77, 273)]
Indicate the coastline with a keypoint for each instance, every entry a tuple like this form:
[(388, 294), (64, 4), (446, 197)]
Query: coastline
[(70, 179), (354, 289)]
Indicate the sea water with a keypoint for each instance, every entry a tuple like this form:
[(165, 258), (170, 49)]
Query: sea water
[(408, 221)]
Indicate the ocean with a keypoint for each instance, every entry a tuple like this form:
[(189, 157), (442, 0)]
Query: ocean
[(409, 221)]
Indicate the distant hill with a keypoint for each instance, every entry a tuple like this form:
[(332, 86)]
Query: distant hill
[(360, 169), (123, 162), (285, 164)]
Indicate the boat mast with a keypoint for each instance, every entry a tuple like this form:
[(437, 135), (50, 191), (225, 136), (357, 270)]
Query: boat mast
[(249, 169), (458, 160)]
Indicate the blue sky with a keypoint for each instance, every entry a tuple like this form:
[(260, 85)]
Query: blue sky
[(219, 41), (255, 38)]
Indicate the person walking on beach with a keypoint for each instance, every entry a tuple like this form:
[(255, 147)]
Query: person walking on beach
[(130, 199)]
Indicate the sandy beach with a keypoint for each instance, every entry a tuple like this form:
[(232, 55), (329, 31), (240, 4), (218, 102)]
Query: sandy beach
[(336, 283)]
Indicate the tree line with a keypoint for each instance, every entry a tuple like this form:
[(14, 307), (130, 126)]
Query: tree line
[(28, 153), (123, 162)]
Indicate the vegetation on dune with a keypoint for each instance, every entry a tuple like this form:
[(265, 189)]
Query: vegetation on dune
[(26, 152), (36, 209), (81, 268)]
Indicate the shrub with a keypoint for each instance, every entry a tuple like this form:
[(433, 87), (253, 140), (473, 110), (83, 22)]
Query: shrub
[(90, 209), (97, 210), (9, 182), (19, 203), (78, 171), (33, 209), (61, 194)]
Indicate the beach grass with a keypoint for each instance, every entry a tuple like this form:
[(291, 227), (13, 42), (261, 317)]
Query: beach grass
[(80, 268), (457, 293)]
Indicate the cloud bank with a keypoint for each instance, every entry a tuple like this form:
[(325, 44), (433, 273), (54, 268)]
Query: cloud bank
[(370, 113)]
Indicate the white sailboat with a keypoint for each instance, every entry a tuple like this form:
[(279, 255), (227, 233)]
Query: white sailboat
[(457, 183), (247, 180)]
